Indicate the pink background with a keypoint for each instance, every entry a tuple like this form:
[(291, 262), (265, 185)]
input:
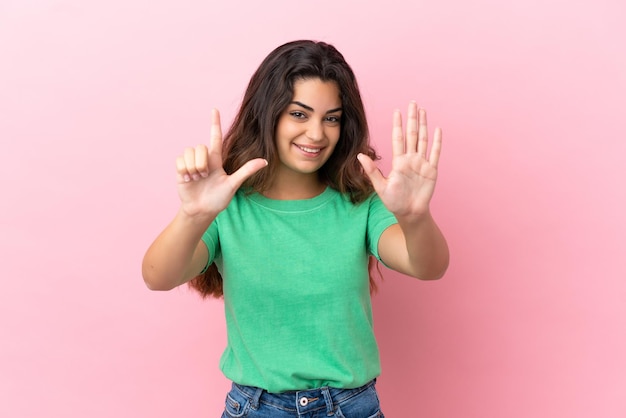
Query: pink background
[(98, 98)]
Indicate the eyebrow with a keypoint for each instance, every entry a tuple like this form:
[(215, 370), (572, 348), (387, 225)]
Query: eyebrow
[(309, 108)]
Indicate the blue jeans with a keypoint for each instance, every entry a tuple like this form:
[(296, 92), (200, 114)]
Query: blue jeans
[(251, 402)]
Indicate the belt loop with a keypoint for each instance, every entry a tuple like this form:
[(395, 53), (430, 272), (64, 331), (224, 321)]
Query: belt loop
[(254, 402), (330, 410)]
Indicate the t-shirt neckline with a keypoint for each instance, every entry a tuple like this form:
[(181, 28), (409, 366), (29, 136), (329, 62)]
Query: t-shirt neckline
[(294, 205)]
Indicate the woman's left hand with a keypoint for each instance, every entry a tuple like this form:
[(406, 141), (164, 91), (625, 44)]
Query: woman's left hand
[(408, 189)]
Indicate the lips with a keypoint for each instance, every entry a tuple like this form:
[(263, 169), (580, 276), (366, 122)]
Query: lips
[(309, 150)]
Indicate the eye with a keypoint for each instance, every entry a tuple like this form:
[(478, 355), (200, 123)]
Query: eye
[(297, 114), (333, 119)]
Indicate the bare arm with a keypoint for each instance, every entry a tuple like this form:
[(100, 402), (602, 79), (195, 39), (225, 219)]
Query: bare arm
[(178, 254), (415, 246), (420, 252)]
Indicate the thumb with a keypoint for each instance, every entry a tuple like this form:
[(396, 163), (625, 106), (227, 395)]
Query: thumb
[(372, 172), (246, 170)]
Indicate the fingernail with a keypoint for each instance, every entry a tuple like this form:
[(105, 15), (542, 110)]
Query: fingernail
[(204, 174), (195, 177), (187, 178)]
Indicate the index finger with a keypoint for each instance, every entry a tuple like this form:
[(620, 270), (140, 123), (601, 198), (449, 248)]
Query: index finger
[(215, 147)]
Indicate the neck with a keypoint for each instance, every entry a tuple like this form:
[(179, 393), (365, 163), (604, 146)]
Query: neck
[(291, 188)]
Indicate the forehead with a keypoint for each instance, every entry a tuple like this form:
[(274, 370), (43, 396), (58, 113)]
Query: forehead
[(316, 90)]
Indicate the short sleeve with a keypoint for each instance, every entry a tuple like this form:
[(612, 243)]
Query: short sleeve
[(212, 242), (379, 218)]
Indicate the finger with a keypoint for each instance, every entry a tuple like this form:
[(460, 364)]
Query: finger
[(202, 160), (246, 170), (216, 134), (411, 128), (435, 151), (397, 140), (372, 172), (190, 162), (422, 144), (182, 174)]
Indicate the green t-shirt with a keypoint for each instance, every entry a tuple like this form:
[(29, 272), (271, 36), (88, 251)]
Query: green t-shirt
[(296, 289)]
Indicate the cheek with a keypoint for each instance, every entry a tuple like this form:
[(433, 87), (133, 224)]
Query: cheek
[(334, 136), (280, 138), (287, 132)]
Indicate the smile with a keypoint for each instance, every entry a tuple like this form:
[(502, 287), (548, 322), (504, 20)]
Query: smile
[(309, 150)]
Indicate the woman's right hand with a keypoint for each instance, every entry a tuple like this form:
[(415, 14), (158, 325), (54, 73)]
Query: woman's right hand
[(204, 187)]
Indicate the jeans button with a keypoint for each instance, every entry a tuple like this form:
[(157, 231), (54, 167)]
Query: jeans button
[(304, 401)]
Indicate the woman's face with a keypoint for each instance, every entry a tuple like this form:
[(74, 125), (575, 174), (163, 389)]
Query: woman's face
[(308, 129)]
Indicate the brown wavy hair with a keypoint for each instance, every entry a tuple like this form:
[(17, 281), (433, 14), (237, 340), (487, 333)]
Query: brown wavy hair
[(251, 135)]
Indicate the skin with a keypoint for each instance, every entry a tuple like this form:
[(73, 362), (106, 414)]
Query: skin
[(311, 122), (415, 246), (177, 255), (307, 132)]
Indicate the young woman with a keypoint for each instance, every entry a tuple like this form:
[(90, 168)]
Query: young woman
[(284, 222)]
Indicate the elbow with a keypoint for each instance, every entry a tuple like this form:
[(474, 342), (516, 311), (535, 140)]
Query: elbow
[(439, 268), (153, 282), (431, 277), (153, 285), (434, 272)]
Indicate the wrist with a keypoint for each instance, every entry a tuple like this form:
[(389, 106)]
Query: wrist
[(195, 217), (414, 219)]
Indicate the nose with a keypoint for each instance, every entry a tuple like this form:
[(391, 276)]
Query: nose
[(315, 131)]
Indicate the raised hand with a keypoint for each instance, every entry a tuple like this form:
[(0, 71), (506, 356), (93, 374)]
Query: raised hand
[(204, 187), (410, 185)]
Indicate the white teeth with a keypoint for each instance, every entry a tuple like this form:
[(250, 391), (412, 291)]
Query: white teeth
[(312, 150)]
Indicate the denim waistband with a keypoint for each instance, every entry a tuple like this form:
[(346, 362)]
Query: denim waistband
[(301, 401)]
